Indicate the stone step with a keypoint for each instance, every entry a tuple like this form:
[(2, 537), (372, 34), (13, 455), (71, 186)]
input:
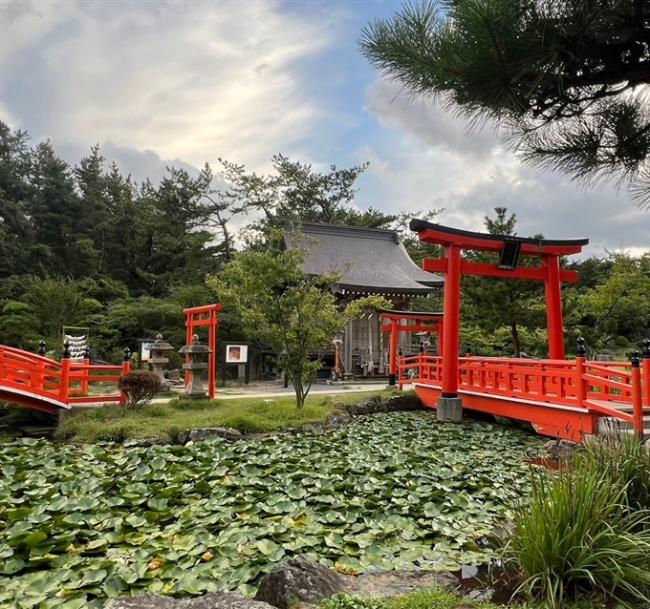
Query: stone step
[(611, 425)]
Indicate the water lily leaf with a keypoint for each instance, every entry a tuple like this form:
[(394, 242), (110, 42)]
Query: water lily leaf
[(93, 520)]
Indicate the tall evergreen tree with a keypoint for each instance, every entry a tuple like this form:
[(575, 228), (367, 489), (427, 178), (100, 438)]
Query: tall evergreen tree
[(565, 76), (16, 235), (55, 213)]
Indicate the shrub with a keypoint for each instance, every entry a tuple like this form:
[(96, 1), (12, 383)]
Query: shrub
[(139, 388), (575, 537)]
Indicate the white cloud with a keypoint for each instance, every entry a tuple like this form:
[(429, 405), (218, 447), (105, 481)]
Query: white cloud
[(187, 80), (434, 162)]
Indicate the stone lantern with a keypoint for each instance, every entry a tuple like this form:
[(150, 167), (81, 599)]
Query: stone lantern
[(158, 361), (196, 352)]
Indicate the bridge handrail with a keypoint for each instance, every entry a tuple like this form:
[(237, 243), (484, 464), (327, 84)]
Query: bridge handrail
[(61, 381), (565, 382)]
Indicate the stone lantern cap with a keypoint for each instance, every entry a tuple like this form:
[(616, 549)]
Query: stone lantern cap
[(161, 345), (196, 348)]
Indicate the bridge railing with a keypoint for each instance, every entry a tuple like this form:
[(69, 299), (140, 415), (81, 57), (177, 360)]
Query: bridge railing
[(616, 389), (84, 376), (29, 373), (65, 381)]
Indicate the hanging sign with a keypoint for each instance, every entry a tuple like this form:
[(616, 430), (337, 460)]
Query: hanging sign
[(77, 345)]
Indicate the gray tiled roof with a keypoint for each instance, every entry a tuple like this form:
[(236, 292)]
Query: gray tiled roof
[(368, 260)]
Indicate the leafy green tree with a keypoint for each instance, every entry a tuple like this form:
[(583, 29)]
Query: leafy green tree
[(490, 303), (56, 303), (18, 326), (619, 306), (564, 76), (178, 246), (281, 306)]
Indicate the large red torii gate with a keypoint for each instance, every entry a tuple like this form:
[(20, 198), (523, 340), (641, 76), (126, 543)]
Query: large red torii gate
[(453, 266)]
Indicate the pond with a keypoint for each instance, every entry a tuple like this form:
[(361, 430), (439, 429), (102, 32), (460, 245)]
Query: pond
[(389, 491)]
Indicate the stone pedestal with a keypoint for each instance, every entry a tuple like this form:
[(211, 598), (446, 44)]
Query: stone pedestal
[(195, 367), (195, 389), (449, 410), (158, 361)]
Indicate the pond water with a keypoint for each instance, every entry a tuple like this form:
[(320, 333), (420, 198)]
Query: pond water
[(79, 524)]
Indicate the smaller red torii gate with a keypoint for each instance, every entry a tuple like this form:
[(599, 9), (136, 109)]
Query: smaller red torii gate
[(509, 249), (431, 323), (204, 317)]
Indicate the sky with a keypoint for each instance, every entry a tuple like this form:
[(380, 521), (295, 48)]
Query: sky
[(185, 83)]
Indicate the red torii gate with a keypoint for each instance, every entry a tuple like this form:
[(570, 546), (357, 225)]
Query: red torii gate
[(453, 266), (204, 317), (430, 323)]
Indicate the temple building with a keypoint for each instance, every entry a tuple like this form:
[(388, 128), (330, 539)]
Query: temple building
[(368, 262)]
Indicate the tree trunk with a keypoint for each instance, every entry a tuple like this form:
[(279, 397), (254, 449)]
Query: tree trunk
[(300, 395), (515, 338)]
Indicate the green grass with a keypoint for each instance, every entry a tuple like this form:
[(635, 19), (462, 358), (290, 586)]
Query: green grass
[(429, 599), (167, 421)]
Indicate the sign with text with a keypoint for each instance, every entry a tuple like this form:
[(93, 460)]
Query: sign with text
[(236, 354)]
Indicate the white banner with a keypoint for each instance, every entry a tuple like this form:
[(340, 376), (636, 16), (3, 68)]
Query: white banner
[(77, 345)]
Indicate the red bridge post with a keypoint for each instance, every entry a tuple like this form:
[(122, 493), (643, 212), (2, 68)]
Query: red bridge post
[(392, 353), (581, 358), (637, 405), (64, 387), (645, 372), (126, 368)]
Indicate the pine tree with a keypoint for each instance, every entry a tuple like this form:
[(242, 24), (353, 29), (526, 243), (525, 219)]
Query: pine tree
[(565, 76)]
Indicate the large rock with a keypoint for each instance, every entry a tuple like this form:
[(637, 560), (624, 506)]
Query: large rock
[(213, 600), (300, 580)]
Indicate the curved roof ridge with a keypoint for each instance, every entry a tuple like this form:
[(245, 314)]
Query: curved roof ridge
[(370, 260)]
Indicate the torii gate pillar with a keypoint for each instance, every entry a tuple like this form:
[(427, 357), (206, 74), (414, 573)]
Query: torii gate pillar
[(554, 323), (451, 327)]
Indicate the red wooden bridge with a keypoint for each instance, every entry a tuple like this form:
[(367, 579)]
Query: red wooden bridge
[(560, 398), (50, 386)]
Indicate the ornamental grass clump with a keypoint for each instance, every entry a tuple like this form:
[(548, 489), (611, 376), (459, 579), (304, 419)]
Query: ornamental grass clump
[(628, 461), (576, 538)]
